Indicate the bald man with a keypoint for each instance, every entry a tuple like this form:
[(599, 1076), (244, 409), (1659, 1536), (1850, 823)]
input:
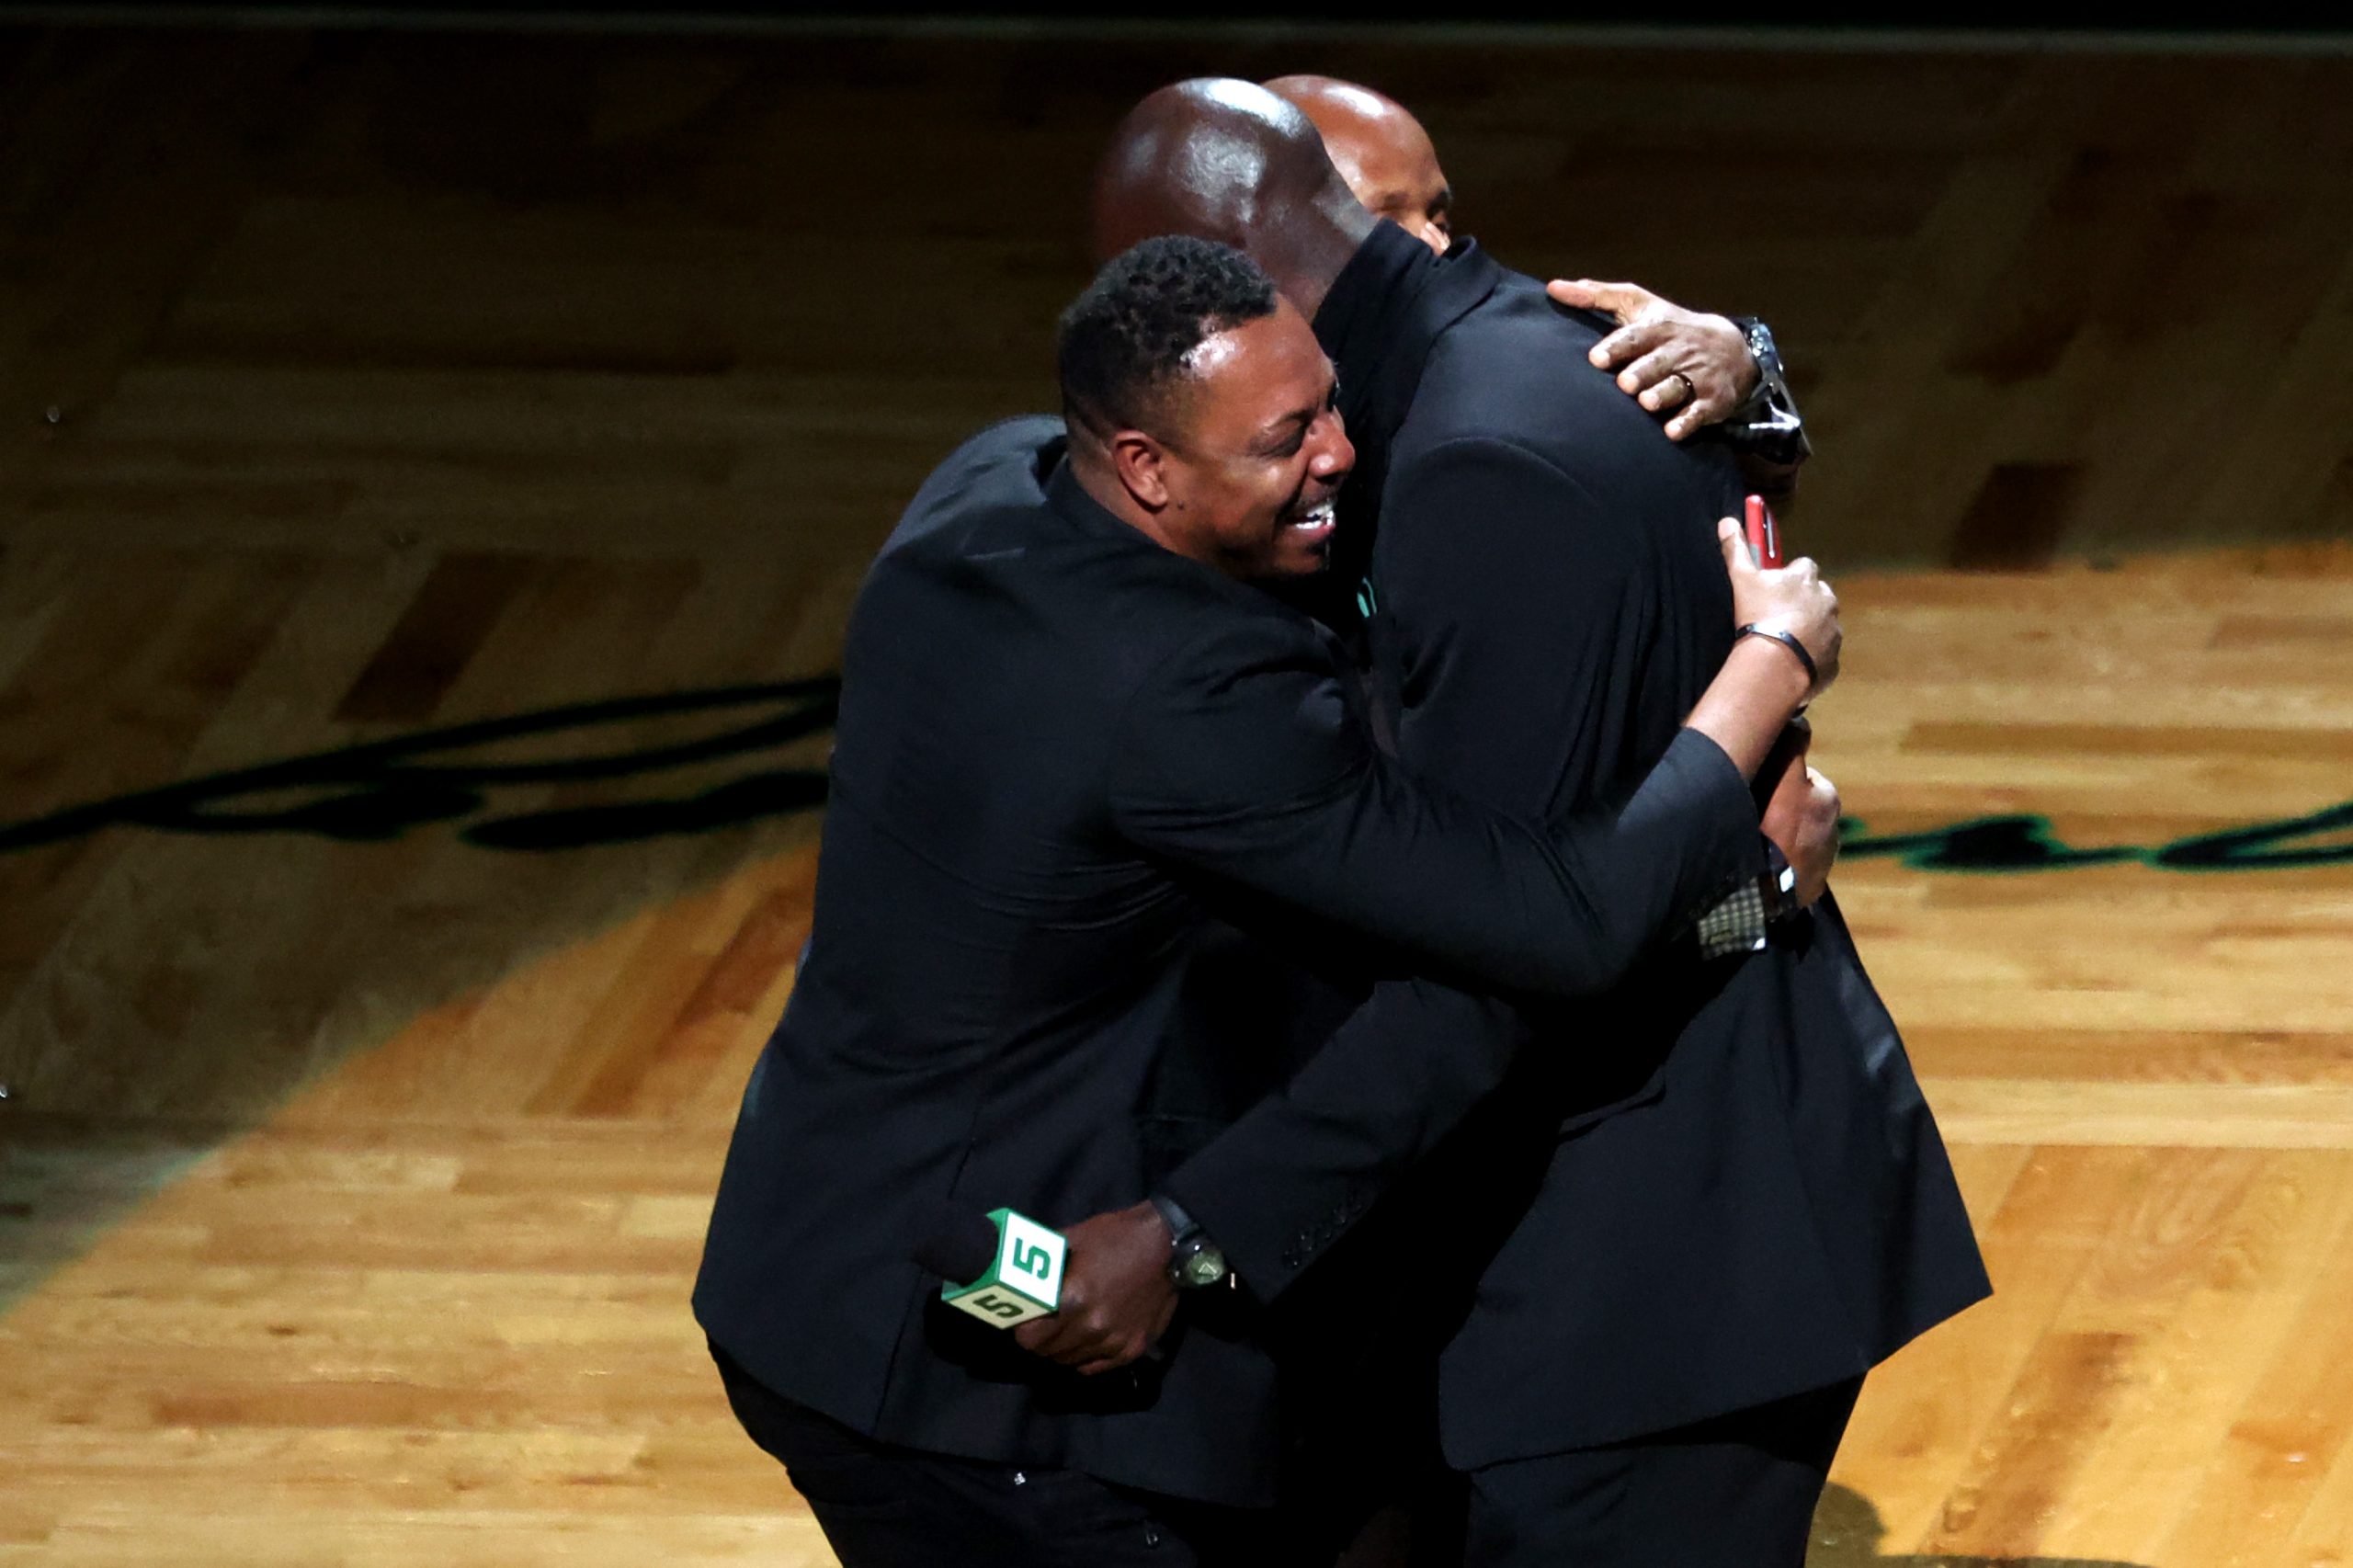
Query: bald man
[(1382, 151), (1653, 1299), (1697, 370)]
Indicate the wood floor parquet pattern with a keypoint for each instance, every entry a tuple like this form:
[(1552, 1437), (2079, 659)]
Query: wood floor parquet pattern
[(352, 1174)]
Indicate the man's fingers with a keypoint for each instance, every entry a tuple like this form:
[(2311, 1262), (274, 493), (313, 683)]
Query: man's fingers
[(1673, 389), (1075, 1348), (1735, 543), (1629, 341), (1624, 301), (1702, 412), (1054, 1336), (1656, 379), (1112, 1359), (1064, 1337)]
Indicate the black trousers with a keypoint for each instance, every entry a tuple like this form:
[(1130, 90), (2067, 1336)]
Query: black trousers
[(1736, 1491), (883, 1506)]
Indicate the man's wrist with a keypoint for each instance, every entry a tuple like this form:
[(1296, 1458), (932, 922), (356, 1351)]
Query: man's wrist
[(1173, 1218), (1194, 1260), (1790, 677), (1767, 423), (1750, 378)]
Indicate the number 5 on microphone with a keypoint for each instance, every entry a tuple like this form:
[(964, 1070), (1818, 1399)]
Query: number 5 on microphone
[(1024, 1281)]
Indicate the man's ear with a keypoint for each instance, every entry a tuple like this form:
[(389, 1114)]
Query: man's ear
[(1141, 463)]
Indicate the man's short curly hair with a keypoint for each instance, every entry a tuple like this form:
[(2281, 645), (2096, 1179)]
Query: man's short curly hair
[(1123, 344)]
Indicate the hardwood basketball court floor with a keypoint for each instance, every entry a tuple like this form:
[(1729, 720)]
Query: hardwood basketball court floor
[(435, 473)]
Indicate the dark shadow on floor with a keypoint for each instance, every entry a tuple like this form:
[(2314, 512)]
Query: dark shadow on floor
[(255, 927), (64, 1183), (1847, 1534)]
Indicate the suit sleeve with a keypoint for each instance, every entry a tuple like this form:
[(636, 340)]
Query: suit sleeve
[(1244, 759), (1513, 570)]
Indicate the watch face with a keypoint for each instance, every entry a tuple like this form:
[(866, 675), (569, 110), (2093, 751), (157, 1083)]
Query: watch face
[(1206, 1266)]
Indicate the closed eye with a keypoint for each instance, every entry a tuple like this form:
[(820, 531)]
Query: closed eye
[(1298, 426)]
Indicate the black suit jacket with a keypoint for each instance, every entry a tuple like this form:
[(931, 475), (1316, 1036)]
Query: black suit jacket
[(1718, 1184), (1060, 749)]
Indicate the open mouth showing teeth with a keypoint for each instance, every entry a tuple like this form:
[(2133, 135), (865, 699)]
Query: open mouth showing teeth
[(1316, 517)]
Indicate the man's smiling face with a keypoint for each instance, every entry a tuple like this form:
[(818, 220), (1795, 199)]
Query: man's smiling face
[(1254, 453)]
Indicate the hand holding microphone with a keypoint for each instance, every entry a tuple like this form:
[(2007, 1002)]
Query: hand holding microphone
[(1116, 1299), (1094, 1299)]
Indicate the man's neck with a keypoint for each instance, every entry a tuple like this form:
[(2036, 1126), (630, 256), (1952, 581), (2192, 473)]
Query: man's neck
[(1358, 319), (1103, 488), (1305, 257)]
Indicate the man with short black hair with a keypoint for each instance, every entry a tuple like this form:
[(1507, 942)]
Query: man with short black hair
[(1071, 735), (1127, 367)]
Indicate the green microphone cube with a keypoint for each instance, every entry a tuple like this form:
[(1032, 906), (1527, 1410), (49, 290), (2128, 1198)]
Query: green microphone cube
[(1024, 1281)]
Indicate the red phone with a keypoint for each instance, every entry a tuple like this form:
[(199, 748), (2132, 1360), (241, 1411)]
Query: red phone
[(1764, 533)]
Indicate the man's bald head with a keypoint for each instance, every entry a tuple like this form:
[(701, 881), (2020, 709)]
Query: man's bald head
[(1380, 150), (1225, 160)]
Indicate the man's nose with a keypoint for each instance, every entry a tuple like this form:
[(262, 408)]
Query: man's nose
[(1334, 453)]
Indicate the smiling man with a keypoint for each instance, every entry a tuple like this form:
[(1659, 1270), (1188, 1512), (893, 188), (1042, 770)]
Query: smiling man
[(1250, 484), (1075, 738)]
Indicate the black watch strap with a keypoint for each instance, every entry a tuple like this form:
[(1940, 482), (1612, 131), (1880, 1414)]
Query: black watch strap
[(1182, 1227), (1194, 1260)]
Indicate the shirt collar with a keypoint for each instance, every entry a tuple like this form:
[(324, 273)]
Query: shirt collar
[(1068, 497), (1385, 312), (1378, 323)]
